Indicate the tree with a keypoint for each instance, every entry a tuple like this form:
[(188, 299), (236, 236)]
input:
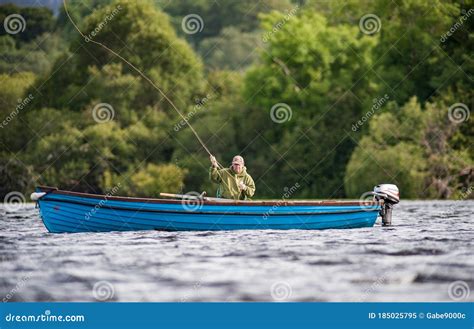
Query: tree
[(33, 21), (141, 34), (412, 149), (78, 10), (217, 117), (231, 49), (112, 121), (320, 74), (410, 56), (242, 15), (37, 56), (151, 180), (13, 108)]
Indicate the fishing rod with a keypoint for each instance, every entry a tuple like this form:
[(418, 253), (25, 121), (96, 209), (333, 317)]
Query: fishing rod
[(144, 76)]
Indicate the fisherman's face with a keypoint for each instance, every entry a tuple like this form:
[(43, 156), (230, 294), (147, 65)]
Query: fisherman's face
[(237, 167)]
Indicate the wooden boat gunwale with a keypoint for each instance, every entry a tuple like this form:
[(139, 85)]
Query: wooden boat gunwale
[(278, 203)]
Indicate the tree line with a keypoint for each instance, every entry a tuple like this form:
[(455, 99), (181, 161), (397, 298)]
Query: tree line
[(333, 97)]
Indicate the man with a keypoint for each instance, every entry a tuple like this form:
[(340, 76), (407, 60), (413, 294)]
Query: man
[(234, 182)]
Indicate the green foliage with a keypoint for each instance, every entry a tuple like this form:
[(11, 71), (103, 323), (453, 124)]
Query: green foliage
[(229, 33), (216, 16), (13, 87), (309, 65), (231, 49), (85, 152), (411, 149), (312, 56), (218, 117), (33, 49), (382, 156), (38, 20), (415, 28), (36, 56), (149, 181), (13, 108), (70, 147), (78, 10), (14, 175), (431, 65), (141, 34)]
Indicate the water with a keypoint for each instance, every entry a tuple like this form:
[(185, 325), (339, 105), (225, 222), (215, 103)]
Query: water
[(425, 256)]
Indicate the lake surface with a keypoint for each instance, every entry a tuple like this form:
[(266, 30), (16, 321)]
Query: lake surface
[(426, 256)]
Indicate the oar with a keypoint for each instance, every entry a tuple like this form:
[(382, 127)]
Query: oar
[(198, 197), (184, 196)]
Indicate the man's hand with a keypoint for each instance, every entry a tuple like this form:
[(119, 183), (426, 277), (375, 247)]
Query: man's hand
[(213, 161), (242, 186)]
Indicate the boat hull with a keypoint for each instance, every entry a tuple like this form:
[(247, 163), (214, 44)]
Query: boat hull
[(71, 212)]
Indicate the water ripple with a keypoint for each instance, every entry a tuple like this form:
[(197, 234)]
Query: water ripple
[(429, 246)]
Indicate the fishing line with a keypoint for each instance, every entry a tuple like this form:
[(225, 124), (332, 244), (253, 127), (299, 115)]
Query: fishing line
[(142, 75), (150, 82)]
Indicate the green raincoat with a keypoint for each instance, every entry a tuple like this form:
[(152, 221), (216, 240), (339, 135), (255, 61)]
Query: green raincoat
[(228, 181)]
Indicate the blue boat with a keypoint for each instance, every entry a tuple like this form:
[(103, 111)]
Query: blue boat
[(70, 212)]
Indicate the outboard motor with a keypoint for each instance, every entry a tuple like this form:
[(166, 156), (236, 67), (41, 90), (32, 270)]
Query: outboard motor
[(390, 195)]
